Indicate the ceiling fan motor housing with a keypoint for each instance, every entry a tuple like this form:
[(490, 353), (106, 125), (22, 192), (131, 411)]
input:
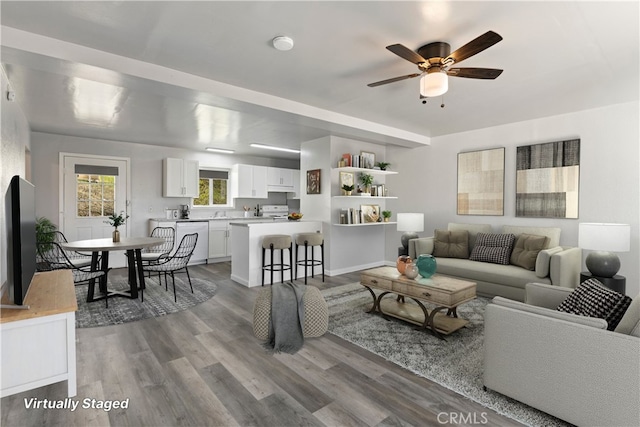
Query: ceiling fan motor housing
[(435, 50)]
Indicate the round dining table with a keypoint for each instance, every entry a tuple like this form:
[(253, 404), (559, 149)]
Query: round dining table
[(100, 249)]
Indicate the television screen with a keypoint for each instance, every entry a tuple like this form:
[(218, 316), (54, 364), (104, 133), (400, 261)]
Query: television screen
[(21, 230)]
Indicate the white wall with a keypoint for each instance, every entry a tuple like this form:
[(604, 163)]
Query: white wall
[(146, 175), (15, 142), (609, 175)]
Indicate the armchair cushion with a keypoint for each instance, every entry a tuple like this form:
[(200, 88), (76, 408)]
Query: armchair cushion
[(451, 244), (493, 248), (591, 298)]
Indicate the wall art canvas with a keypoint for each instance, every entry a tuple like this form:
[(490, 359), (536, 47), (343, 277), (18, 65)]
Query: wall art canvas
[(370, 213), (547, 179), (481, 182), (313, 181)]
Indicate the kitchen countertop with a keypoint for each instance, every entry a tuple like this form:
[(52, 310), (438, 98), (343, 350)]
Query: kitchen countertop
[(220, 218)]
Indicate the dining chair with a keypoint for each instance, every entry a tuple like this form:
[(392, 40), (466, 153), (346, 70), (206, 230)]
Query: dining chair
[(79, 259), (57, 259), (175, 262), (153, 254)]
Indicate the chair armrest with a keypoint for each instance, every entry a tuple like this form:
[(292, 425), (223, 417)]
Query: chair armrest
[(542, 295), (419, 246), (564, 268), (592, 322)]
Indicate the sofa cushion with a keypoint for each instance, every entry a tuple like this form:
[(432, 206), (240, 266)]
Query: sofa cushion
[(553, 233), (473, 230), (591, 298), (526, 250), (493, 248), (630, 323), (451, 244), (503, 275)]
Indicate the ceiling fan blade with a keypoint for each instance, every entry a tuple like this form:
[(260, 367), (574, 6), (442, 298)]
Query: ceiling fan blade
[(475, 73), (406, 53), (395, 79), (475, 46)]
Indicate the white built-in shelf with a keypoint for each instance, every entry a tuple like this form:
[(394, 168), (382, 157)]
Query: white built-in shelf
[(365, 224), (371, 171), (364, 197)]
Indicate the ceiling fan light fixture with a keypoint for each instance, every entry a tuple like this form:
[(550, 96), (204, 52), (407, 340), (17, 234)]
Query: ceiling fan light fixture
[(434, 83)]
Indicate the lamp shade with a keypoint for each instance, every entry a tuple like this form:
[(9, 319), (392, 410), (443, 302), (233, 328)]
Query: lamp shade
[(604, 237), (434, 83), (413, 222)]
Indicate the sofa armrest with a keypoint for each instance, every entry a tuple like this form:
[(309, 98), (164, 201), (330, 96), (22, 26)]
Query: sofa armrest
[(419, 246), (564, 267), (543, 260), (542, 295)]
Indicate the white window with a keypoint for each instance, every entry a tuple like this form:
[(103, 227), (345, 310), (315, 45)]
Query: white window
[(214, 189)]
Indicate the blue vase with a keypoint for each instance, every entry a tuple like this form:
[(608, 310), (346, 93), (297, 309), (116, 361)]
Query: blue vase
[(426, 265)]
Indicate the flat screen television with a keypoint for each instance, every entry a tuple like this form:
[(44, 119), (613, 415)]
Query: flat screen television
[(20, 206)]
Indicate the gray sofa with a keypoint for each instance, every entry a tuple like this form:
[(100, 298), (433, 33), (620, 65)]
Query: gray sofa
[(566, 365), (554, 265)]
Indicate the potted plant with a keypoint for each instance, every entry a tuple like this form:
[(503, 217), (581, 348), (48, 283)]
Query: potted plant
[(117, 221), (386, 215), (383, 165), (44, 237), (366, 180), (347, 189)]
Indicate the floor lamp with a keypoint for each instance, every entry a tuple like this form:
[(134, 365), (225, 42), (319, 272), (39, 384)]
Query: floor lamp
[(604, 239), (411, 224)]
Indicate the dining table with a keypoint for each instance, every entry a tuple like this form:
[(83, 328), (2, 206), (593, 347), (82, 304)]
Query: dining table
[(100, 249)]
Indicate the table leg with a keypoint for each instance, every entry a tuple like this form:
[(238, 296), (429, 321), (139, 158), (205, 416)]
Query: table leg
[(104, 264), (133, 280), (140, 271), (375, 305), (92, 282)]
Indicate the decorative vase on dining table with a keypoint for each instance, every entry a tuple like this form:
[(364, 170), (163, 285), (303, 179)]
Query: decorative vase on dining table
[(426, 265), (116, 236)]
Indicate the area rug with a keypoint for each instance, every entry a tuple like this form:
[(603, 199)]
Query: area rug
[(455, 363), (157, 301)]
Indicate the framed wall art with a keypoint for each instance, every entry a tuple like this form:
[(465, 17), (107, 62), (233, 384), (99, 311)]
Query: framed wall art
[(313, 181), (346, 178), (370, 213), (481, 182), (547, 179), (367, 160)]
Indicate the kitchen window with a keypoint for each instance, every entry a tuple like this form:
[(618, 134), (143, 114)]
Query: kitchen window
[(214, 189)]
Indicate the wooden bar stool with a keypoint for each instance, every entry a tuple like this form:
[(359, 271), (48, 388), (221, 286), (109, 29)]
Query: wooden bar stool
[(310, 240), (274, 242)]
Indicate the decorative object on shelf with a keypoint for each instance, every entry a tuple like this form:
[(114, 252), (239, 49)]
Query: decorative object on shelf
[(246, 210), (347, 178), (426, 265), (347, 189), (370, 213), (481, 182), (411, 271), (366, 180), (548, 179), (367, 160), (313, 181), (347, 159), (386, 215), (604, 239), (383, 165), (402, 262), (411, 224), (294, 216), (116, 221)]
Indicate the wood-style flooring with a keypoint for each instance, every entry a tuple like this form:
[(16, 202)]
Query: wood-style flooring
[(204, 367)]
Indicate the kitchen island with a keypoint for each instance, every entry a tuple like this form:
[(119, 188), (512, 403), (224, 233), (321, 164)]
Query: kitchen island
[(246, 254)]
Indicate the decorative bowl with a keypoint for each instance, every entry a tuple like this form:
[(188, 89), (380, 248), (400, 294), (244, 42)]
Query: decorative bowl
[(294, 216)]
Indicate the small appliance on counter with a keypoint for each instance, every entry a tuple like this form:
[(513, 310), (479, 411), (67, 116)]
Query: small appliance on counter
[(275, 211), (184, 211)]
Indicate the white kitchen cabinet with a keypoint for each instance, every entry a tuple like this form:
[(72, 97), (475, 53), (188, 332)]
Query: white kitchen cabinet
[(218, 237), (249, 181), (295, 194), (279, 179), (180, 178)]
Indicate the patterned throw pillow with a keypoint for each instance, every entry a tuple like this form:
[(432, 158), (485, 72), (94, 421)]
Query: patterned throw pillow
[(591, 298), (451, 244), (493, 248)]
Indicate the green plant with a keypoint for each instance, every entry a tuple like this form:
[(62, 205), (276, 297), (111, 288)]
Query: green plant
[(366, 179), (44, 231), (117, 221), (383, 165), (386, 214), (346, 187)]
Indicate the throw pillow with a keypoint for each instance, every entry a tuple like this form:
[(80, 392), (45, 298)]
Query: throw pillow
[(451, 244), (493, 248), (526, 250), (591, 298)]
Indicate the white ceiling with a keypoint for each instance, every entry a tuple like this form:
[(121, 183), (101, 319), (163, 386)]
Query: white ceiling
[(197, 74)]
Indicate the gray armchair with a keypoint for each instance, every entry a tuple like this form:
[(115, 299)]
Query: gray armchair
[(566, 365)]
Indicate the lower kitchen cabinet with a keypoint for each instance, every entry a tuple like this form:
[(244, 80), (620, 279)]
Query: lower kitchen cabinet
[(218, 239)]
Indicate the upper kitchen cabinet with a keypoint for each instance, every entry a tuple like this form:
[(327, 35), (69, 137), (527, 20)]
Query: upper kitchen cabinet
[(180, 178), (279, 179), (249, 181)]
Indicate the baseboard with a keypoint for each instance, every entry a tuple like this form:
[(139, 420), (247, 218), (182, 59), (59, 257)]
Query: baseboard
[(351, 269)]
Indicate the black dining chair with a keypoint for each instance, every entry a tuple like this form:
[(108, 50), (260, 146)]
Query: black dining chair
[(79, 259), (52, 254), (154, 254), (175, 262)]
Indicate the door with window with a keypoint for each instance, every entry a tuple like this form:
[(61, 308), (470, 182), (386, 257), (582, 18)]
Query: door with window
[(93, 188)]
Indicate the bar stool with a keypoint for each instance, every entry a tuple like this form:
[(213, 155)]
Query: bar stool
[(310, 240), (275, 242)]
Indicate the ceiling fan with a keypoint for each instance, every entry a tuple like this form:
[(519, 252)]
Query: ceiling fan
[(439, 62)]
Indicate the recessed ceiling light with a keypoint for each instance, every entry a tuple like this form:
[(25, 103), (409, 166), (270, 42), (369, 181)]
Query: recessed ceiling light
[(219, 150), (283, 43), (271, 147)]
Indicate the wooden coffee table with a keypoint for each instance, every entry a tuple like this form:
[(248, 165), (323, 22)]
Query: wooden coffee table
[(445, 292)]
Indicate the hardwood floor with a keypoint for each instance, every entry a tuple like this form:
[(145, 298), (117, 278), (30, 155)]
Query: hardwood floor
[(204, 367)]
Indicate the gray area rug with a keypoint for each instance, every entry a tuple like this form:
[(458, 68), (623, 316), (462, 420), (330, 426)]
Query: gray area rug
[(455, 363), (157, 301)]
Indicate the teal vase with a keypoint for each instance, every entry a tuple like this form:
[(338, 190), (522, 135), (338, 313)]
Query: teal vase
[(426, 265)]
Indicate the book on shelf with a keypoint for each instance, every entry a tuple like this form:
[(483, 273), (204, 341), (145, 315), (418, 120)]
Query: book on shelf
[(347, 159)]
